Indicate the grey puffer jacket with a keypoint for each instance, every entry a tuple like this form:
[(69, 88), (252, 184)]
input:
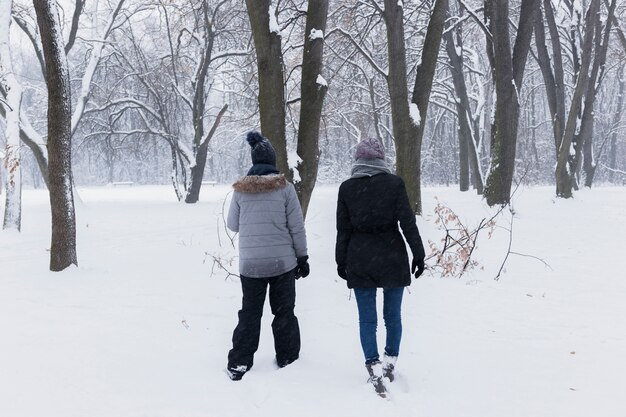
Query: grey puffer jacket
[(266, 212)]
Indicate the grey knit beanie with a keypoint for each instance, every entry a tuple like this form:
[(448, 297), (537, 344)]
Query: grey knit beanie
[(369, 148)]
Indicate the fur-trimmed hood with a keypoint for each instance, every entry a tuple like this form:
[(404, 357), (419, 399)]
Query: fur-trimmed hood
[(260, 183)]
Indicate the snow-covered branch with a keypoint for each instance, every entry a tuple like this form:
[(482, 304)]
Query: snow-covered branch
[(358, 46), (78, 10), (477, 18), (127, 100), (33, 37), (90, 70), (216, 123), (228, 54), (617, 171)]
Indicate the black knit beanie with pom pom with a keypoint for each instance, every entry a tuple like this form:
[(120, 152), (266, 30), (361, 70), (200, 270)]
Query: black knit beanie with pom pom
[(262, 150)]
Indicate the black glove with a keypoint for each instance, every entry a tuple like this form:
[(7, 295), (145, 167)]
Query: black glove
[(341, 271), (419, 265), (303, 269)]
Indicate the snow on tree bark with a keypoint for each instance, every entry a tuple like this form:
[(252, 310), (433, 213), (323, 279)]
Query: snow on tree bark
[(583, 118), (313, 92), (424, 77), (616, 120), (508, 66), (563, 173), (13, 202), (200, 140), (267, 43), (468, 152), (31, 138), (407, 130), (584, 146), (63, 242)]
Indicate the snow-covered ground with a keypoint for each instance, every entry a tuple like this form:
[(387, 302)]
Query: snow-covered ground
[(142, 328)]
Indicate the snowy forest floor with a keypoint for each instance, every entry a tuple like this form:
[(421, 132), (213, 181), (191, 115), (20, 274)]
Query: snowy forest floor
[(142, 327)]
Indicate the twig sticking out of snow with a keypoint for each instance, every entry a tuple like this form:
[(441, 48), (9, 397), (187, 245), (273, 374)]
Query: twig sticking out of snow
[(225, 264), (455, 257)]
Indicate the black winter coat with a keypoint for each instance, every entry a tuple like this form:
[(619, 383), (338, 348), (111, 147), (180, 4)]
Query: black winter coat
[(369, 243)]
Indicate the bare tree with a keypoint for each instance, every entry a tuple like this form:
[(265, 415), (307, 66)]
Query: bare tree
[(469, 136), (63, 246), (615, 123), (267, 36), (26, 132), (508, 66), (409, 120), (267, 43), (171, 98), (424, 77), (198, 107), (595, 46), (584, 143), (313, 91), (13, 206), (564, 174)]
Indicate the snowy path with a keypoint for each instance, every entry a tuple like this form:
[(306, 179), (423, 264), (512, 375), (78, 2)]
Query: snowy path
[(142, 329)]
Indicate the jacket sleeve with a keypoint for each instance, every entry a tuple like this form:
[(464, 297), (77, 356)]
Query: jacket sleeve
[(295, 221), (406, 217), (232, 221), (344, 231)]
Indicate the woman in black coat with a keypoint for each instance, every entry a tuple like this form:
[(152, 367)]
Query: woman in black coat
[(371, 253)]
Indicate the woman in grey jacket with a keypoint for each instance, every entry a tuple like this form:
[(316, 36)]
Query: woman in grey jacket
[(272, 252)]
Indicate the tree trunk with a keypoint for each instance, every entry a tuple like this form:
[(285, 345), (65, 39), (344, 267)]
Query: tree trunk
[(313, 91), (408, 125), (504, 130), (405, 125), (563, 172), (464, 130), (585, 145), (200, 145), (617, 116), (552, 73), (424, 76), (197, 170), (63, 244), (589, 164), (464, 172), (174, 173), (29, 136), (468, 156), (13, 206), (508, 73), (199, 105), (267, 43)]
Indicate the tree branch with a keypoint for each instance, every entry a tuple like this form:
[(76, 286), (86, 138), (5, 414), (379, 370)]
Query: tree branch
[(34, 40), (216, 123), (477, 19), (367, 56), (78, 10)]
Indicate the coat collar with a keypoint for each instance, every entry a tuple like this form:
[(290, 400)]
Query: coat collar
[(260, 183)]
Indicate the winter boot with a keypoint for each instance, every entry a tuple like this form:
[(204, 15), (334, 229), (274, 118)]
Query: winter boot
[(235, 373), (375, 370), (389, 365), (284, 362)]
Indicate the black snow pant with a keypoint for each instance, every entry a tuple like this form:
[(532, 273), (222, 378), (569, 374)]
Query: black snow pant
[(284, 326)]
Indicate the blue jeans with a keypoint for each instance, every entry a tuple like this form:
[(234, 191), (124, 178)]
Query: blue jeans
[(368, 319)]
